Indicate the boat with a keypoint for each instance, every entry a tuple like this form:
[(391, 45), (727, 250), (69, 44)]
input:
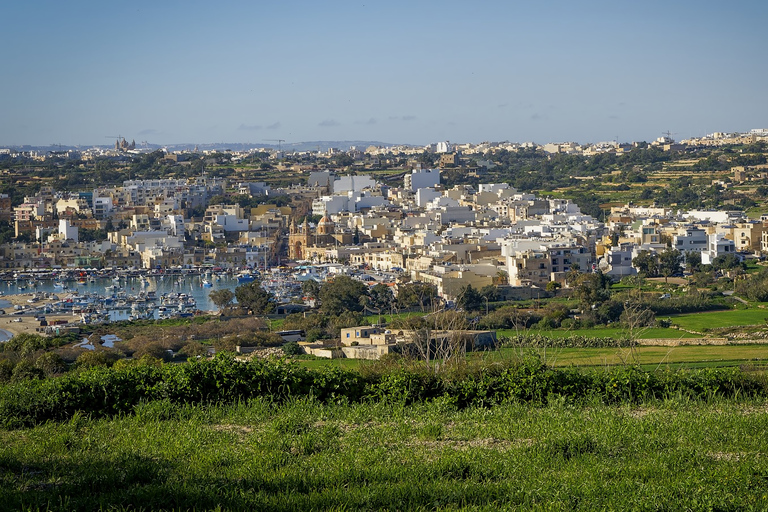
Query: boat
[(245, 277), (206, 283)]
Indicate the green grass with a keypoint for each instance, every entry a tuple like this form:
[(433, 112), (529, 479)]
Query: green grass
[(607, 332), (387, 318), (306, 456), (712, 319), (687, 356), (314, 364)]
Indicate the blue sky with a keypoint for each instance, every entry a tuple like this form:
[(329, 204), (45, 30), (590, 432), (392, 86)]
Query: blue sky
[(400, 72)]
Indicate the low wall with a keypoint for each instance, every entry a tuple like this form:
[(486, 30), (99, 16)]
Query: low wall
[(676, 342)]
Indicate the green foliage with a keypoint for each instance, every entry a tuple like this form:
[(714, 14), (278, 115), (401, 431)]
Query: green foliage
[(222, 298), (26, 370), (592, 289), (469, 299), (307, 454), (51, 364), (254, 298), (6, 370), (646, 264), (103, 391), (94, 358), (342, 294), (26, 344), (411, 295), (381, 298), (292, 348)]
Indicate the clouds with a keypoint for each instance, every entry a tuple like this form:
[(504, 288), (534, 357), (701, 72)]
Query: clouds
[(329, 123), (256, 127)]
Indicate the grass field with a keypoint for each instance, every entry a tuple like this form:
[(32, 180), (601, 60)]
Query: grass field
[(687, 356), (303, 455), (607, 332), (691, 356), (712, 319)]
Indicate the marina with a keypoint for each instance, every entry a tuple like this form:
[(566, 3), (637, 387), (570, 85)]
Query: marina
[(54, 298), (105, 297)]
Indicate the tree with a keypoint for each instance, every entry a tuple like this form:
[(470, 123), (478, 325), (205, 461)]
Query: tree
[(25, 370), (646, 264), (254, 298), (416, 294), (222, 298), (490, 292), (311, 288), (381, 297), (592, 289), (342, 294), (670, 262), (693, 260), (93, 358), (728, 262), (469, 299), (51, 364)]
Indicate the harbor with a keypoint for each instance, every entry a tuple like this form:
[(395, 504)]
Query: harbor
[(33, 300)]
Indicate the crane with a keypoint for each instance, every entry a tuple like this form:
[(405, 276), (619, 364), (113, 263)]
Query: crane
[(59, 152), (279, 143), (669, 134)]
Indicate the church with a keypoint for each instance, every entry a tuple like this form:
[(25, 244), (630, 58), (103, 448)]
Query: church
[(304, 241)]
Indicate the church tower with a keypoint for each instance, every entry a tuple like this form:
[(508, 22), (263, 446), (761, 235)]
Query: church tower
[(298, 239)]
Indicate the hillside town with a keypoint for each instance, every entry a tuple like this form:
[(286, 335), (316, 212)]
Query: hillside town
[(451, 237)]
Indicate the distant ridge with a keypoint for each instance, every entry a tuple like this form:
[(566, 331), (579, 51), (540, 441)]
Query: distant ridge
[(321, 145)]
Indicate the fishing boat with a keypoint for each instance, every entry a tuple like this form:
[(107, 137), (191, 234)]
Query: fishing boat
[(245, 277)]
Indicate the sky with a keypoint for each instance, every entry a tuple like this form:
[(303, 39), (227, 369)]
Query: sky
[(411, 72)]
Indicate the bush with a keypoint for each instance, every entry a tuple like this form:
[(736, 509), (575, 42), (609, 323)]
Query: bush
[(6, 369), (194, 349), (95, 358), (292, 349), (102, 391), (51, 364), (25, 370)]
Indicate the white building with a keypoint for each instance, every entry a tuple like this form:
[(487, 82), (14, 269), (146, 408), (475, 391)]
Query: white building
[(352, 184), (422, 178), (67, 231), (425, 195), (694, 239), (717, 245)]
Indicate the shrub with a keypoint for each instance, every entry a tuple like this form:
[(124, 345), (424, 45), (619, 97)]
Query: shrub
[(103, 391), (25, 370), (292, 349), (51, 364), (194, 349), (94, 358), (6, 370)]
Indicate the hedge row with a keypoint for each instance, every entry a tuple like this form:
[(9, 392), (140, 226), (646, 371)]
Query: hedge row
[(108, 391), (534, 340)]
